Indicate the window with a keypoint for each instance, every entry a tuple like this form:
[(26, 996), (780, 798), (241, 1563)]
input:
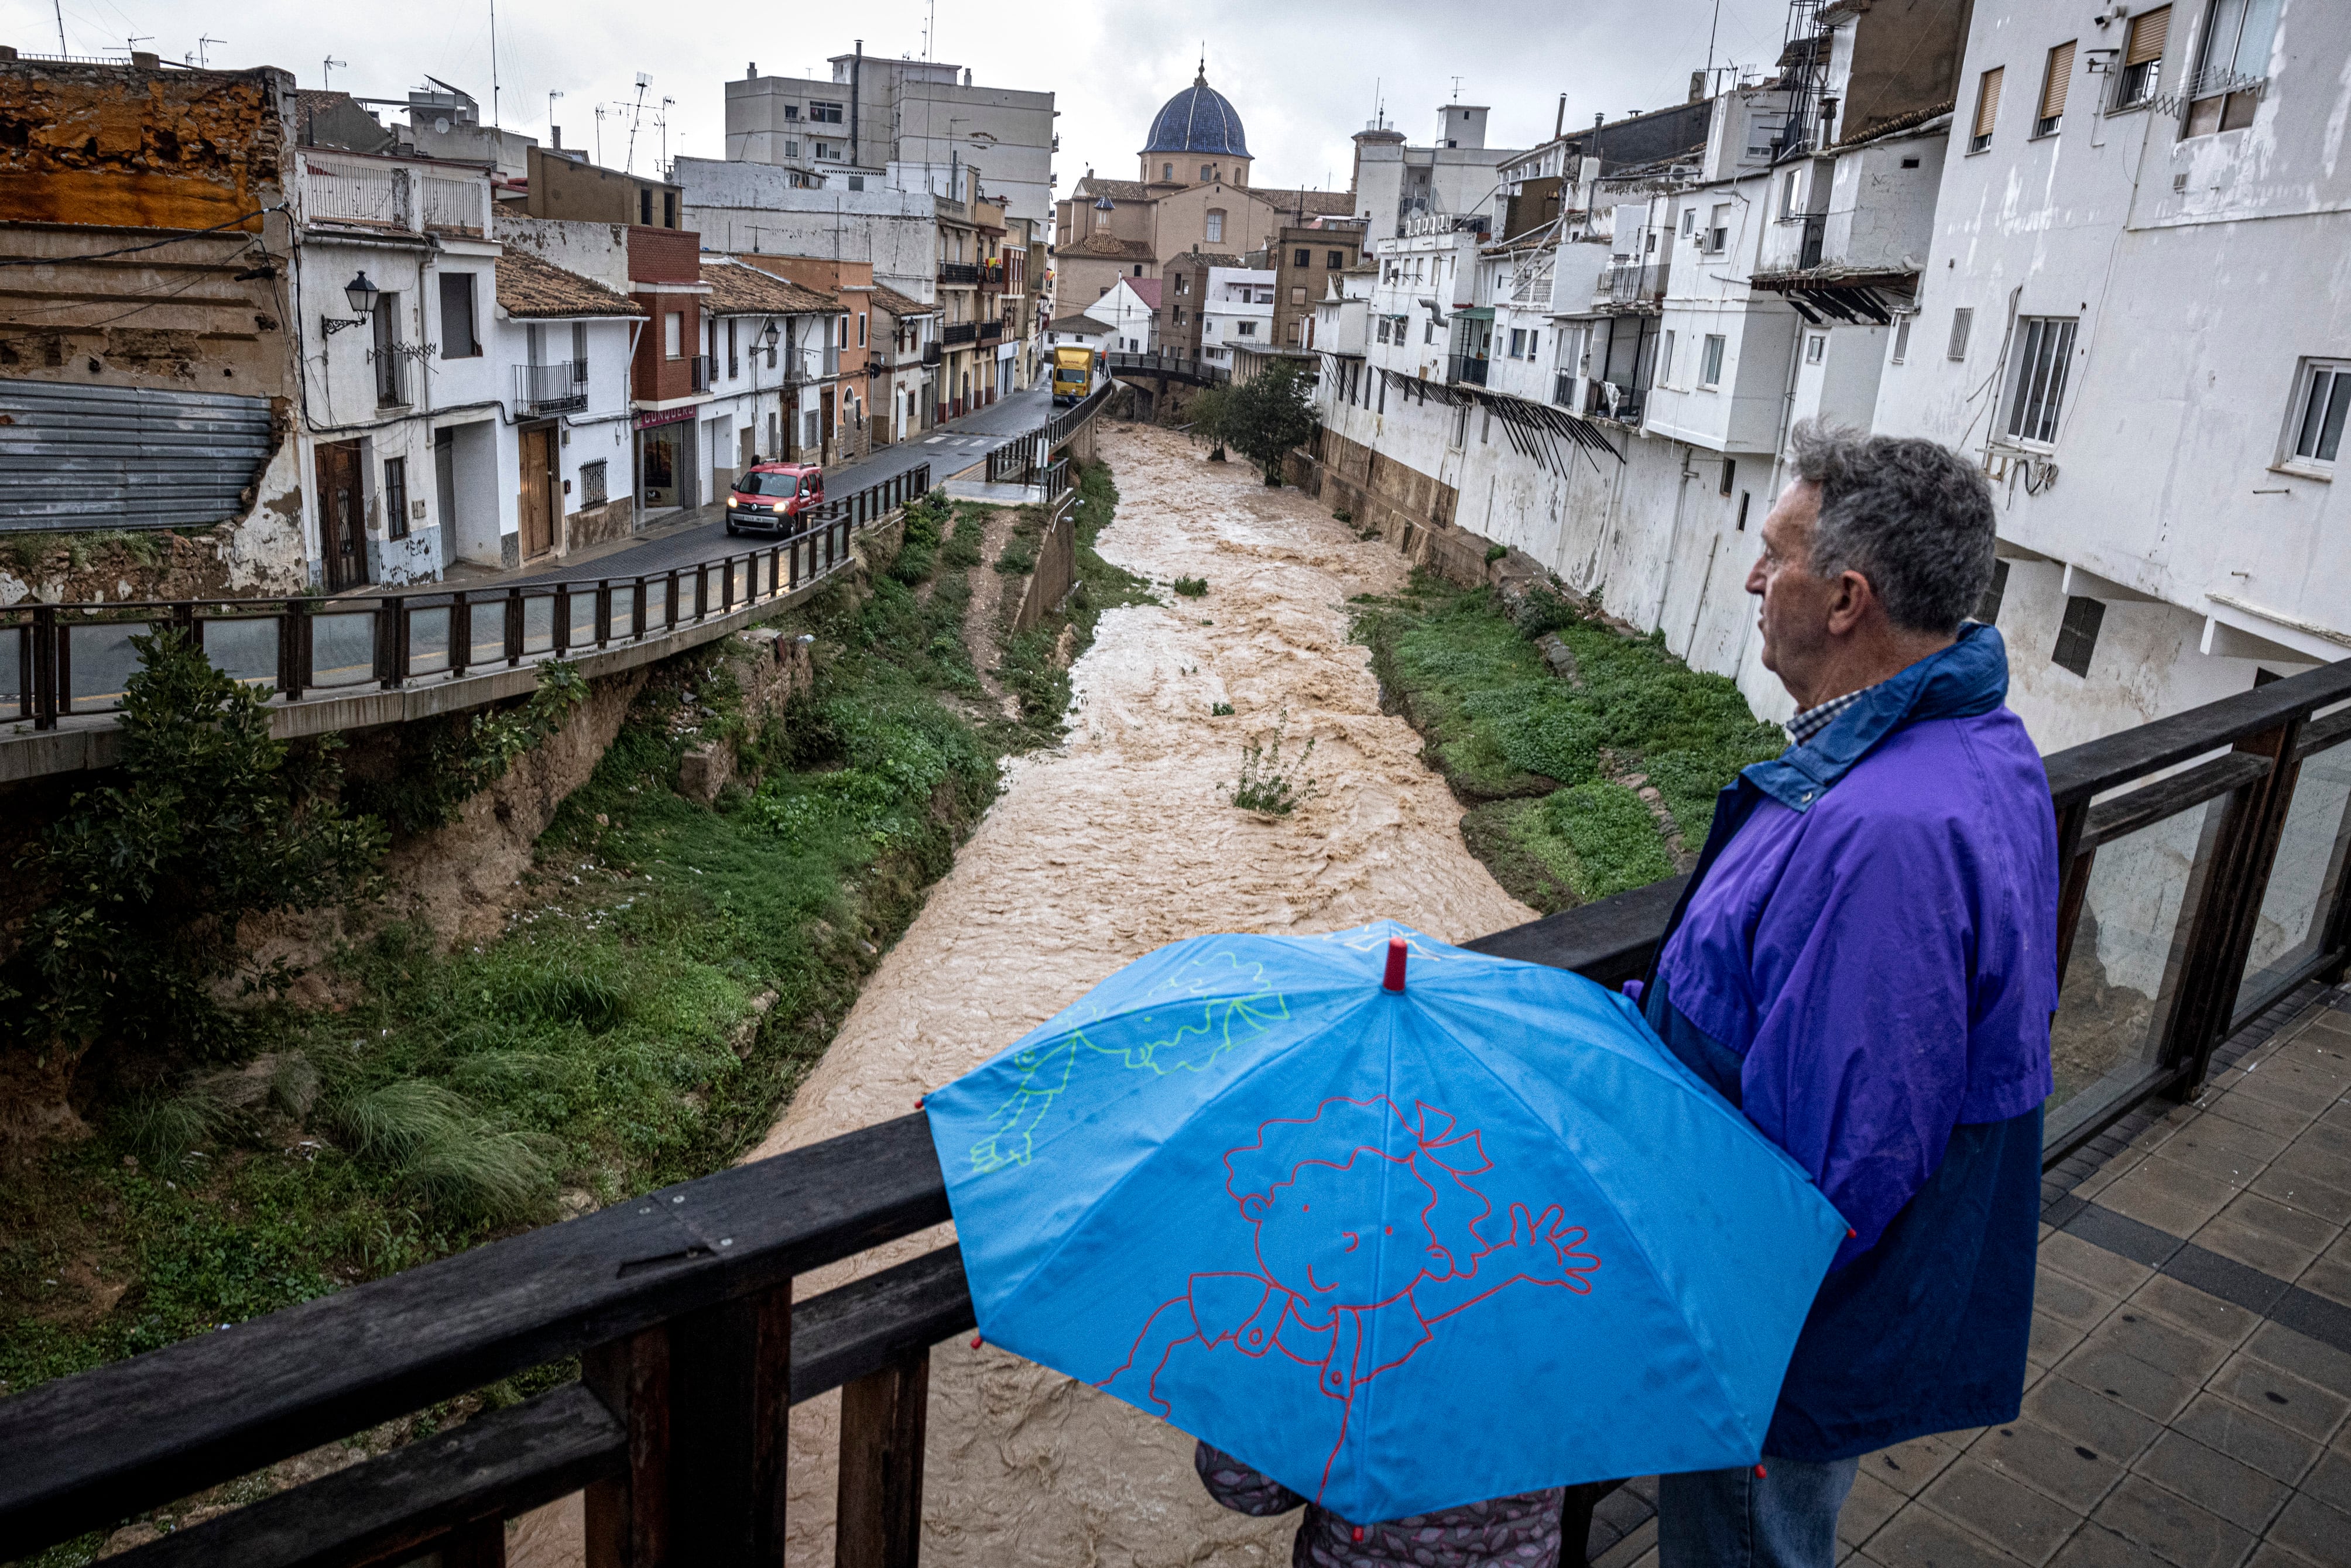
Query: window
[(1744, 497), (1293, 329), (385, 327), (1518, 341), (646, 208), (791, 148), (1710, 365), (2142, 61), (580, 353), (857, 181), (733, 364), (1901, 338), (1730, 468), (458, 339), (2045, 352), (1249, 328), (861, 328), (2077, 635), (674, 334), (2232, 66), (1987, 107), (1987, 607), (1816, 348), (1301, 258), (395, 497), (593, 492), (1788, 195), (1962, 320), (2326, 395), (2057, 76), (669, 209), (1666, 361), (1183, 283), (1204, 171), (1384, 328), (1689, 220), (1167, 171), (1718, 233), (1428, 331), (1298, 294), (1334, 259), (1215, 226), (824, 114)]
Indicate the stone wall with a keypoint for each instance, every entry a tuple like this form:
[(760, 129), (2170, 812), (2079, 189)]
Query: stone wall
[(1411, 510)]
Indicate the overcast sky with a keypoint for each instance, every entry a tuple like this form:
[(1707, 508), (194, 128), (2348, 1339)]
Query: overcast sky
[(1303, 74)]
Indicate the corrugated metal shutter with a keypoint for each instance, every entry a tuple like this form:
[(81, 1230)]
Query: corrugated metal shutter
[(76, 456)]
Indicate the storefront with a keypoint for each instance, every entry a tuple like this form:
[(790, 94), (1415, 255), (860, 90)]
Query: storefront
[(666, 462)]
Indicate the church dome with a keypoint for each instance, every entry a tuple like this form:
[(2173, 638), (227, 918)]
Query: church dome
[(1199, 119)]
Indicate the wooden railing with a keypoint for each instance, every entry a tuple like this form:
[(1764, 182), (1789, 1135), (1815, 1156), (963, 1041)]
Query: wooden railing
[(65, 659), (680, 1303)]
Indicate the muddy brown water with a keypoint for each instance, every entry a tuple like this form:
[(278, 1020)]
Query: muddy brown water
[(1118, 843)]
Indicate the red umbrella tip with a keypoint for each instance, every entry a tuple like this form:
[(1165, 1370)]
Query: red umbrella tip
[(1359, 1529), (1759, 1472), (1394, 981), (975, 1341), (1850, 1233), (918, 1100)]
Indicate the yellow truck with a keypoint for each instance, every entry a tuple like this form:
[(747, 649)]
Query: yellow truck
[(1073, 374)]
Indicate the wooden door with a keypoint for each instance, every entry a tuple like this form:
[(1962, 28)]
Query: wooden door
[(342, 516), (539, 491)]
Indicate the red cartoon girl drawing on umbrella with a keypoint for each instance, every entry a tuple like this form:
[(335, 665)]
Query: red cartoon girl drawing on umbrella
[(1367, 1239)]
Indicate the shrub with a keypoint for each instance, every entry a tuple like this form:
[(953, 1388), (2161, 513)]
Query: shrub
[(1220, 710), (1264, 787), (1495, 552), (1192, 587), (1342, 516)]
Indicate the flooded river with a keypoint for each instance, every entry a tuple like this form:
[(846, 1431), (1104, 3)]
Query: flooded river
[(1120, 842)]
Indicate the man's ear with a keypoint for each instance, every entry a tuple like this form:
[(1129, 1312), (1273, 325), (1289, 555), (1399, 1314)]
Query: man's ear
[(1849, 603)]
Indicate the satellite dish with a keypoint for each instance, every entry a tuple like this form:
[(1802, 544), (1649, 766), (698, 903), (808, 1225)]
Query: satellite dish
[(442, 125)]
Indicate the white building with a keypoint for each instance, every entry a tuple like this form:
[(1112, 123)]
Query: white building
[(749, 208), (1236, 313), (1453, 176), (845, 132), (768, 339), (1130, 310)]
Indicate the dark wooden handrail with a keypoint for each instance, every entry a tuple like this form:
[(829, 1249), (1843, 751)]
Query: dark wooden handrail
[(680, 1302)]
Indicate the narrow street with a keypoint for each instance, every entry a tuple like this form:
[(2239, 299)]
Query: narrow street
[(1121, 841)]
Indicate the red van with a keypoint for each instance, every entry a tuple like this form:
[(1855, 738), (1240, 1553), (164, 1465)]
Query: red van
[(770, 498)]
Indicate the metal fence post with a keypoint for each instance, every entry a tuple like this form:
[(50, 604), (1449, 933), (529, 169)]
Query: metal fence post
[(47, 677), (701, 589), (637, 610), (389, 672), (461, 634), (2245, 852), (559, 622), (289, 657), (669, 605), (603, 611), (513, 627)]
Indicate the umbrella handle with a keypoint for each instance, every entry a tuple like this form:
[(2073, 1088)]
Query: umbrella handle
[(1394, 980)]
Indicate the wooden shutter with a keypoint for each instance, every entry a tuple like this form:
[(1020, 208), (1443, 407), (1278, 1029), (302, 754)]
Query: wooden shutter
[(2053, 86), (2149, 32), (1988, 100)]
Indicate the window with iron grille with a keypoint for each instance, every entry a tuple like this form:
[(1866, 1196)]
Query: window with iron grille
[(1334, 259), (591, 483), (579, 353), (395, 497), (2316, 437), (1901, 338), (2045, 352), (1987, 607), (2142, 63), (1301, 258), (2077, 635), (1962, 320)]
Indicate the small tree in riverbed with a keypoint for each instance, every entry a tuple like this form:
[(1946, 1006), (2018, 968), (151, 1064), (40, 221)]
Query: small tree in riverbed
[(1270, 416)]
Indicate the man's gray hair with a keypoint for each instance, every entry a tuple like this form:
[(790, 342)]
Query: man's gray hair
[(1913, 516)]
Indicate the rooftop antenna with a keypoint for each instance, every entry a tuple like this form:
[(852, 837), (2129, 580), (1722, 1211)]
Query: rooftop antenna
[(327, 70), (661, 122), (494, 64), (58, 6), (600, 135), (636, 113), (550, 111), (131, 44), (204, 50), (1457, 89), (1711, 31)]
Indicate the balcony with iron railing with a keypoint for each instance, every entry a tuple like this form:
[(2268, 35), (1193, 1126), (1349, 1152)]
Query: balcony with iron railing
[(956, 332), (2203, 889), (931, 352), (958, 272), (1609, 400), (559, 388), (990, 331), (1468, 368), (1633, 283)]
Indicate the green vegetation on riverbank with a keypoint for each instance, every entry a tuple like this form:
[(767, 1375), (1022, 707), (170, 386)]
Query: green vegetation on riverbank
[(668, 974), (1553, 762)]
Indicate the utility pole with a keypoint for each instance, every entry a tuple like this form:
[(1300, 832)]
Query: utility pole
[(662, 119), (494, 65)]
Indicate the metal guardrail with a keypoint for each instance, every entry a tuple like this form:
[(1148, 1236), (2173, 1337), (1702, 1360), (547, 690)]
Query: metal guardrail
[(680, 1306), (559, 388), (60, 660), (1469, 368), (956, 332), (1159, 362), (958, 272), (1017, 461)]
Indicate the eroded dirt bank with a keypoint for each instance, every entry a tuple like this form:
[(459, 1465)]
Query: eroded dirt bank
[(1121, 841)]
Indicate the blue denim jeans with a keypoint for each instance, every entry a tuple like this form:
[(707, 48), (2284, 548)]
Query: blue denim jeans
[(1785, 1518)]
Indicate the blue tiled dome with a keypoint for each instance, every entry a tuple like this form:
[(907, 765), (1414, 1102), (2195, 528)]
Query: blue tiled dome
[(1199, 119)]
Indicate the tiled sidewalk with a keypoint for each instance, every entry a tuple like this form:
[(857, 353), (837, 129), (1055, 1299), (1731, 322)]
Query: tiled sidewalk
[(2190, 1365)]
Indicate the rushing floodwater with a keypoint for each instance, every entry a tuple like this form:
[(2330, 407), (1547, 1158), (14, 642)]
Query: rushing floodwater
[(1119, 843)]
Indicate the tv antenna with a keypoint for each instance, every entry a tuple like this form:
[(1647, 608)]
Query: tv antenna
[(636, 113), (203, 51), (58, 6), (327, 70), (550, 111), (494, 65), (661, 124), (1457, 89), (600, 135), (131, 46)]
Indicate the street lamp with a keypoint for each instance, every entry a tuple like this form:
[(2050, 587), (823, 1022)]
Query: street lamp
[(362, 296)]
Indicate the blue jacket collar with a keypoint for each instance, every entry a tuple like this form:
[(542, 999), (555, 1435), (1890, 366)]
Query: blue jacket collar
[(1968, 678)]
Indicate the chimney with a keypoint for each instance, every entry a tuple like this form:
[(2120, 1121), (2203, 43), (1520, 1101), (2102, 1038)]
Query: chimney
[(751, 70), (555, 132), (1697, 87)]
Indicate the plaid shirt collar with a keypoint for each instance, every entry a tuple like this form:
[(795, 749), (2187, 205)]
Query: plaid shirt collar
[(1813, 720)]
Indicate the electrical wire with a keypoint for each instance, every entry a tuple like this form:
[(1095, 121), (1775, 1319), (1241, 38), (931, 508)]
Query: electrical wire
[(135, 249)]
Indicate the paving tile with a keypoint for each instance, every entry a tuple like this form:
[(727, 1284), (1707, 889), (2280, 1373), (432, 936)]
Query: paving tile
[(2107, 1428), (2259, 1114), (1908, 1467), (2269, 1556), (2300, 1190), (2238, 1493), (2002, 1510), (2118, 1375), (2263, 1233), (2330, 1482), (2327, 1278), (2051, 1339), (2291, 1081), (2093, 1266), (1867, 1508), (2168, 1196), (1622, 1512), (2279, 1396), (2106, 1174), (1919, 1537), (1628, 1552), (2096, 1546), (2317, 1162), (2319, 1533), (2172, 1527), (2074, 1473), (2183, 1352), (2070, 1301), (2206, 1314), (2325, 1136), (2247, 1438), (2306, 1357), (2224, 1150)]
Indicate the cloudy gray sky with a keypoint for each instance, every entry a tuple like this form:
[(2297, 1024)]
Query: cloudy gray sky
[(1303, 74)]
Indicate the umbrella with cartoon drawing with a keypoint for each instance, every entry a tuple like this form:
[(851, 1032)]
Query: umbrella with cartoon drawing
[(1402, 1226)]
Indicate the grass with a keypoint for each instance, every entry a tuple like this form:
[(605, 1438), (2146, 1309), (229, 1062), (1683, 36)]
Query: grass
[(1029, 665), (1541, 763), (1191, 586), (611, 1041), (1265, 785)]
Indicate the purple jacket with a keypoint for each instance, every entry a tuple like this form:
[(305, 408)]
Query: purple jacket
[(1519, 1532), (1866, 963)]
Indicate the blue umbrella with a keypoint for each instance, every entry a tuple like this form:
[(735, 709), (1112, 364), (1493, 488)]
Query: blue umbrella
[(1402, 1226)]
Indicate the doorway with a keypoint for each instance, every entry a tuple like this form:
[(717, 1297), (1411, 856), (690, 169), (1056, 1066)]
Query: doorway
[(664, 462), (540, 490), (444, 492), (342, 516)]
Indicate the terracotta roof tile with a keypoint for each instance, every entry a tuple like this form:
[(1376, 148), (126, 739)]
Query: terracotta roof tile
[(533, 289), (1315, 204), (890, 302), (737, 288)]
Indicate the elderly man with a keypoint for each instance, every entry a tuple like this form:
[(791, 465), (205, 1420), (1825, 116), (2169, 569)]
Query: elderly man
[(1864, 963)]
